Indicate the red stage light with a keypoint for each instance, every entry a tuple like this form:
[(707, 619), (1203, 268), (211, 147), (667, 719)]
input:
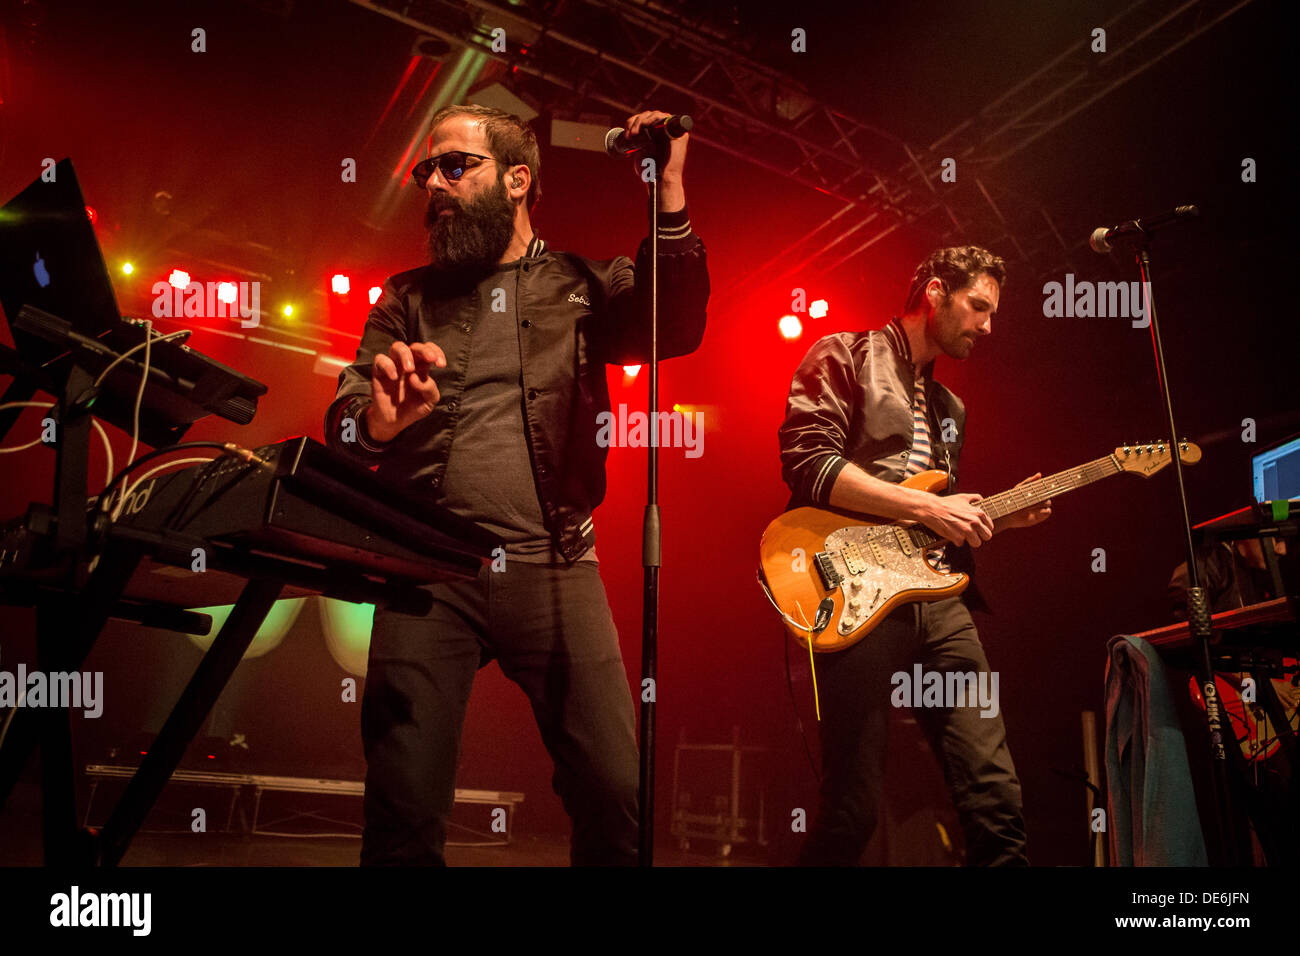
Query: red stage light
[(92, 215), (340, 284), (179, 278), (227, 292), (631, 370), (790, 326), (818, 309), (375, 293)]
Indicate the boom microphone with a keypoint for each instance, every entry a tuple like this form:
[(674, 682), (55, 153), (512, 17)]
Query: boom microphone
[(1101, 237)]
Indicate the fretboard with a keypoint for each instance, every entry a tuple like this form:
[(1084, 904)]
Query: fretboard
[(1033, 492)]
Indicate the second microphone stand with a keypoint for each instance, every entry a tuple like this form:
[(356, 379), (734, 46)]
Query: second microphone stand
[(1198, 609)]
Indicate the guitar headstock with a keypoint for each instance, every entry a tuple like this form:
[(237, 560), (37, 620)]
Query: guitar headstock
[(1147, 459)]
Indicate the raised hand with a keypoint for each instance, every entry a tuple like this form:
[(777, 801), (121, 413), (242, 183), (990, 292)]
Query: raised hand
[(401, 388)]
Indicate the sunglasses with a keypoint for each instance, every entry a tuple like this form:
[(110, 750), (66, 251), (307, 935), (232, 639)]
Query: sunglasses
[(453, 166)]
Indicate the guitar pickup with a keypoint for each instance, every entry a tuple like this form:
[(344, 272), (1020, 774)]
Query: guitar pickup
[(831, 578), (854, 562), (904, 541)]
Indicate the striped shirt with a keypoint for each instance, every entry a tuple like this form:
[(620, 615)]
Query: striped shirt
[(921, 456)]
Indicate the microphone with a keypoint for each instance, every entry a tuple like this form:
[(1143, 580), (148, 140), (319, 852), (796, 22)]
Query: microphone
[(618, 143), (1101, 237)]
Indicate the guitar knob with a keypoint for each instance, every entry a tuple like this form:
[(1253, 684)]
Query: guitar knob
[(855, 605), (855, 585)]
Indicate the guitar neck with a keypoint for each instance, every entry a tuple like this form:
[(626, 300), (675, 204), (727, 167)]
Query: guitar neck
[(1035, 492)]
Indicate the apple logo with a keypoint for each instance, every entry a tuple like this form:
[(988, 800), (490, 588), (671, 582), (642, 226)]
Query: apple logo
[(42, 277)]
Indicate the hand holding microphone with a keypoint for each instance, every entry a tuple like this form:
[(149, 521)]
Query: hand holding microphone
[(649, 131), (646, 131)]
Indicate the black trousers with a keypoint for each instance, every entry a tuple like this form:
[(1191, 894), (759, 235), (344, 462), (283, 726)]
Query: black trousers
[(550, 628), (856, 689)]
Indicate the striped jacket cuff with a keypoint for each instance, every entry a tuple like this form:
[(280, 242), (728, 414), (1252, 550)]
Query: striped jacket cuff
[(675, 226), (824, 472)]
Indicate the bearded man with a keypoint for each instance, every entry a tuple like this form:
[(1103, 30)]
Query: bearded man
[(479, 380), (864, 414)]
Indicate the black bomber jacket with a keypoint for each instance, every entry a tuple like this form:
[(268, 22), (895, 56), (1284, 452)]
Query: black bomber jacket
[(851, 400), (574, 316)]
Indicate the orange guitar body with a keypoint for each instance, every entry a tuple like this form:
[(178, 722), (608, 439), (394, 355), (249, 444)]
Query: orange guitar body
[(787, 557)]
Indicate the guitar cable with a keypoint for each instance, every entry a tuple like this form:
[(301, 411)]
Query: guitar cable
[(817, 704), (794, 705), (789, 682)]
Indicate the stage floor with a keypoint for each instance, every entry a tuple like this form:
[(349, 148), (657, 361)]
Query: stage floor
[(20, 845)]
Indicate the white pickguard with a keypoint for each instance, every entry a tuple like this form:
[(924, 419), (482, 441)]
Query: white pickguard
[(885, 570)]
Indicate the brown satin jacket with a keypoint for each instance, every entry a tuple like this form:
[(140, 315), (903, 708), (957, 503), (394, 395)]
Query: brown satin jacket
[(851, 400)]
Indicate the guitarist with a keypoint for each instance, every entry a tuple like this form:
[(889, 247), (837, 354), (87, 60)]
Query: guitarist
[(865, 413)]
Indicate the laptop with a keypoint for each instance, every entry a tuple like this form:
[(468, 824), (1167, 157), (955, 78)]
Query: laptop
[(50, 260), (1276, 471)]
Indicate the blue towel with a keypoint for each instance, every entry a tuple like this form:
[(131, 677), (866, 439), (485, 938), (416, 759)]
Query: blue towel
[(1151, 808)]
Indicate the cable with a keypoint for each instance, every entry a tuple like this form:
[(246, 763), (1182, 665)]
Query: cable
[(228, 447), (135, 348), (139, 395), (108, 447), (147, 345), (789, 682), (794, 705), (31, 444), (113, 482), (157, 468), (812, 668)]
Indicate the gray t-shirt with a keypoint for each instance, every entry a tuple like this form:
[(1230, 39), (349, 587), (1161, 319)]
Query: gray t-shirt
[(489, 477)]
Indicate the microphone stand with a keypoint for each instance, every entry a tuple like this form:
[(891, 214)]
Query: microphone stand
[(651, 559), (1198, 609)]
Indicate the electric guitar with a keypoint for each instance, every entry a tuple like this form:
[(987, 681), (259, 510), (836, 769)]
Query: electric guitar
[(1251, 723), (833, 576)]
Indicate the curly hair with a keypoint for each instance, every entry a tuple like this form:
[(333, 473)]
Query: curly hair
[(511, 140), (956, 267)]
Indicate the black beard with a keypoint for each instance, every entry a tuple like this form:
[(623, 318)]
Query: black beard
[(476, 234)]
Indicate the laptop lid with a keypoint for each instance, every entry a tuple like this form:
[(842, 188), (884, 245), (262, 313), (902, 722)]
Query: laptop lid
[(1276, 470), (50, 258)]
